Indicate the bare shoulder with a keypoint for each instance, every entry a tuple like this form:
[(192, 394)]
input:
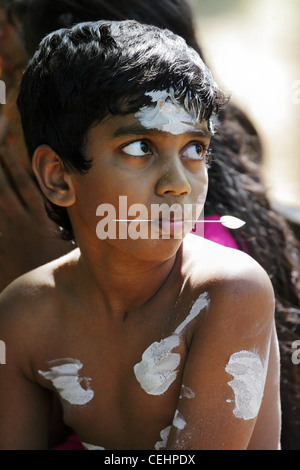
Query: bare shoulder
[(241, 301), (229, 274), (27, 306), (34, 288)]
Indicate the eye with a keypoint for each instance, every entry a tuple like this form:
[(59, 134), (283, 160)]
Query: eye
[(195, 151), (139, 148)]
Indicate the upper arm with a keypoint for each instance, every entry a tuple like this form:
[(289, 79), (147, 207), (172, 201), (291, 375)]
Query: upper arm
[(24, 405), (24, 411), (226, 367)]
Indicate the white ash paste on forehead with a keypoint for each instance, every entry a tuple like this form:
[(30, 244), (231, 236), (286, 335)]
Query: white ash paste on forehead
[(66, 380), (157, 369), (248, 383), (166, 114)]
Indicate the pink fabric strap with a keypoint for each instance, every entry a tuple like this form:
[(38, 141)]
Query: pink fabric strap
[(215, 232)]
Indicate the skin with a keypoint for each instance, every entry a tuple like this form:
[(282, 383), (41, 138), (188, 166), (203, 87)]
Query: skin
[(120, 296)]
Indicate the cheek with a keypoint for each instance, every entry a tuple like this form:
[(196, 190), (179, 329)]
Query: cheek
[(96, 198), (200, 186), (90, 193), (199, 193)]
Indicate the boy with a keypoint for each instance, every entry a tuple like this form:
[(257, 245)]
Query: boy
[(148, 340)]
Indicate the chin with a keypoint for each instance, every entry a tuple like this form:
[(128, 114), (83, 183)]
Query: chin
[(156, 250)]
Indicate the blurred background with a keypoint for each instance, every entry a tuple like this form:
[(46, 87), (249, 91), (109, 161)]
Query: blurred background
[(253, 50)]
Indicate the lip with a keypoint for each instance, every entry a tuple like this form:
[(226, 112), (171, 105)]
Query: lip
[(172, 227)]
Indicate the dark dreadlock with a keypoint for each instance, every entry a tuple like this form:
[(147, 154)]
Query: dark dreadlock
[(236, 188)]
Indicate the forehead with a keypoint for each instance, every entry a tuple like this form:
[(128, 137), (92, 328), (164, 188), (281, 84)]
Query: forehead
[(115, 127), (164, 112)]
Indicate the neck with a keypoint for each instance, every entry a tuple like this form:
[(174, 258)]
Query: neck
[(123, 282)]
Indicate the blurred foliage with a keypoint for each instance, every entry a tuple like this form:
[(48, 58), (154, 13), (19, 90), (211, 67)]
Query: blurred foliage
[(218, 7)]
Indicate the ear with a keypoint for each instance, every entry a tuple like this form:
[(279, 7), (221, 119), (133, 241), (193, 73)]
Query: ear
[(55, 182)]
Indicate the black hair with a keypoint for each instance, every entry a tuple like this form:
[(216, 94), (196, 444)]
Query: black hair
[(82, 74)]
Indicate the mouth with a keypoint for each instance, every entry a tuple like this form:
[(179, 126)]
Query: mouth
[(178, 222), (173, 226)]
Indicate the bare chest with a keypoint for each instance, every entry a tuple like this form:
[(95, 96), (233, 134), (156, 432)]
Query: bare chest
[(122, 401), (119, 385)]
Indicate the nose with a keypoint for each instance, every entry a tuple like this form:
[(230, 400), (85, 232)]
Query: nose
[(173, 180)]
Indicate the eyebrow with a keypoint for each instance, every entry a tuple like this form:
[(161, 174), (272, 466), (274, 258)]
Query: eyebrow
[(136, 129)]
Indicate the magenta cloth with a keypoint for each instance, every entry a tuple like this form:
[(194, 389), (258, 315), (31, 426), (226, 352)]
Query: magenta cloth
[(215, 232), (71, 443)]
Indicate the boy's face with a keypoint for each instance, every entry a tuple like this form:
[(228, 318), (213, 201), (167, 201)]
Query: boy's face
[(149, 167)]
